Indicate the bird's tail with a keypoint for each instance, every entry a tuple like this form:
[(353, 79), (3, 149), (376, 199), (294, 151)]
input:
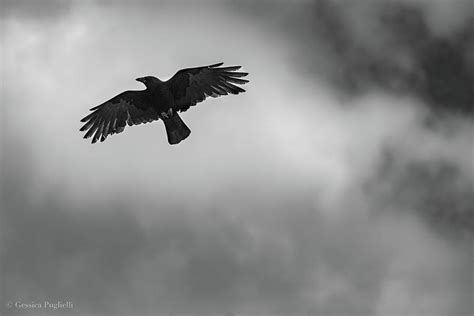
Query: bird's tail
[(175, 128)]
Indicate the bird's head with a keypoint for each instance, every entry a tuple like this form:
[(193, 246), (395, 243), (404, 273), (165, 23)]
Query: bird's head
[(149, 81)]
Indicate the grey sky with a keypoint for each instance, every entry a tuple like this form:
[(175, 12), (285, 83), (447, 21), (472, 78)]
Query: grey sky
[(314, 193)]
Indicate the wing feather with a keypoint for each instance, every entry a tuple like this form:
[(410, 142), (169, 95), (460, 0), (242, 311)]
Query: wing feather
[(111, 117), (193, 85)]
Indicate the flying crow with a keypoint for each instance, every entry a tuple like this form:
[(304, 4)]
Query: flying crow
[(163, 100)]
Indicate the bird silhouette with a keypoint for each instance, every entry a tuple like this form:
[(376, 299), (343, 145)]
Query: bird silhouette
[(163, 100)]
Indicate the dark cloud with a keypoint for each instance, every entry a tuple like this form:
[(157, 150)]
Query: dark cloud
[(436, 190), (448, 76), (35, 10), (409, 47)]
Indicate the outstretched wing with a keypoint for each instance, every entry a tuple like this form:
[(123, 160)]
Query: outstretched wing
[(192, 85), (129, 107)]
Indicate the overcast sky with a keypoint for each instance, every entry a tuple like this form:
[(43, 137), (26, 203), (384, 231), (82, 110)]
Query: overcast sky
[(341, 183)]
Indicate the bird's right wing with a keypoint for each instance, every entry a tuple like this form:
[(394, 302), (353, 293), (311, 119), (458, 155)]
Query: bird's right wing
[(192, 85), (129, 107)]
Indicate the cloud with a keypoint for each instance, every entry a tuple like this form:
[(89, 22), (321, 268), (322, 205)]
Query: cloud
[(420, 48), (445, 20), (302, 196), (34, 10)]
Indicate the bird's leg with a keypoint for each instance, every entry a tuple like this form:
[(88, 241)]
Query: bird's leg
[(167, 114)]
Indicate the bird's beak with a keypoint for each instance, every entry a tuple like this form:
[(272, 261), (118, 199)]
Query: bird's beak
[(139, 79)]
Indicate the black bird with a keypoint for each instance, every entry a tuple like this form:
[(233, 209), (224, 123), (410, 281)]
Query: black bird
[(163, 100)]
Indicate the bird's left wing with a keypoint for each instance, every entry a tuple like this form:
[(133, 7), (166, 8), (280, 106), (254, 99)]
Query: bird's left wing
[(192, 85), (129, 107)]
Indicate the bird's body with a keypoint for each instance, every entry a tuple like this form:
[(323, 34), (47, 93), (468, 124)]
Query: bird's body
[(159, 94), (162, 100)]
